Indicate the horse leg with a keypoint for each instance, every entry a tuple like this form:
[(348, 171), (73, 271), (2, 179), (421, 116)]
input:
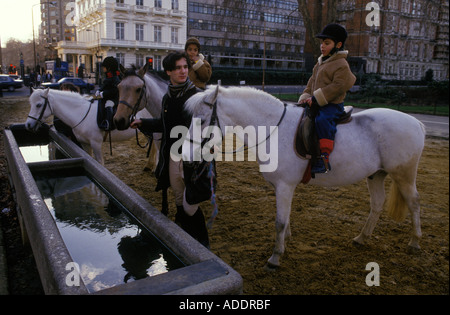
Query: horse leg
[(284, 193), (375, 184), (406, 183), (165, 204), (98, 155), (152, 159)]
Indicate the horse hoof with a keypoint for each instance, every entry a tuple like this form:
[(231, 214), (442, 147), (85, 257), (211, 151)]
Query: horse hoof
[(357, 244), (271, 268), (413, 250)]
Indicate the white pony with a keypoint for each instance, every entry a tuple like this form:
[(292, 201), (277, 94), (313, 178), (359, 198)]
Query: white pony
[(375, 143), (79, 113)]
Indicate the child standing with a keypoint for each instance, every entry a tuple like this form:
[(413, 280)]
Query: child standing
[(200, 71), (327, 87)]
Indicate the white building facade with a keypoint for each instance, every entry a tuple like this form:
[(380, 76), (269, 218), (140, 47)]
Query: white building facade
[(130, 30)]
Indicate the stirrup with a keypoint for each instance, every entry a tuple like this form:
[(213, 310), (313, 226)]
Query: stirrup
[(322, 165)]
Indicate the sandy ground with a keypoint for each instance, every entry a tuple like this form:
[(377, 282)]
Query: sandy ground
[(320, 257)]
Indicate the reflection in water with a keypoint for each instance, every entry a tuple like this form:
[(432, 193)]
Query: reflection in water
[(35, 153), (110, 247)]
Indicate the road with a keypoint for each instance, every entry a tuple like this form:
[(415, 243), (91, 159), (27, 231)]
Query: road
[(436, 126)]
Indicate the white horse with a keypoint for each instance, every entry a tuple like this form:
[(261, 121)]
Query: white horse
[(79, 113), (375, 143)]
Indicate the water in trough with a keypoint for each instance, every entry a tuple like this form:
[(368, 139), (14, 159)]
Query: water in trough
[(107, 243)]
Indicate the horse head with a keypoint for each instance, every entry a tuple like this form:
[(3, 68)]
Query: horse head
[(203, 108), (131, 92), (40, 109)]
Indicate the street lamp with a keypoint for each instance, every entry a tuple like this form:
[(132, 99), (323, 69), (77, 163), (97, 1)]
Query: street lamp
[(97, 55)]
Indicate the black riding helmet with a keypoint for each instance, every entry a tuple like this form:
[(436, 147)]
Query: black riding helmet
[(335, 32), (111, 64)]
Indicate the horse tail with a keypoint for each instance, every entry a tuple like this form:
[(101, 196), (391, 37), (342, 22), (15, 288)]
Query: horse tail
[(397, 207)]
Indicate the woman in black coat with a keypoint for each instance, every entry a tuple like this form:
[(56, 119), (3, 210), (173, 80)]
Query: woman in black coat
[(169, 172)]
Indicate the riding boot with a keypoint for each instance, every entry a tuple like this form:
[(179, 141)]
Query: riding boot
[(194, 225), (200, 227), (180, 215)]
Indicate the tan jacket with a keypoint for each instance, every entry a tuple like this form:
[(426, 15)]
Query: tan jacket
[(200, 72), (330, 81)]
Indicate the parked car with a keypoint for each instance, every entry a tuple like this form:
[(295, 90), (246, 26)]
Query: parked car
[(84, 87), (8, 83)]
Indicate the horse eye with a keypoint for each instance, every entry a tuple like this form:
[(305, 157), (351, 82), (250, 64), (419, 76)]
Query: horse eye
[(139, 90), (39, 105)]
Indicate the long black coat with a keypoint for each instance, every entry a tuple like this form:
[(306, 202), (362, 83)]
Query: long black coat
[(172, 114)]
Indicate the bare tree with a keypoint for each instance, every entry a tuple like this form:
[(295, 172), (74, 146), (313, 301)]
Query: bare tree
[(314, 20)]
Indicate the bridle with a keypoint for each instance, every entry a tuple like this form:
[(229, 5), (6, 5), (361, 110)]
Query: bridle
[(135, 108), (46, 104)]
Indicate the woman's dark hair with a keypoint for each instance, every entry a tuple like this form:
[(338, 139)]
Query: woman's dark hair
[(68, 86), (169, 62)]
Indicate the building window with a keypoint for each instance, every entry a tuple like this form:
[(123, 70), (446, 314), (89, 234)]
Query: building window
[(140, 2), (158, 4), (157, 63), (175, 5), (174, 35), (158, 34), (140, 32), (120, 30), (139, 60), (120, 58)]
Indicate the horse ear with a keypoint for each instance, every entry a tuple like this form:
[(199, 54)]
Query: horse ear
[(122, 69), (211, 99), (46, 92), (143, 70)]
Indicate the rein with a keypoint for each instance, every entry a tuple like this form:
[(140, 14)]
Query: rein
[(47, 103), (215, 118), (134, 110), (209, 166)]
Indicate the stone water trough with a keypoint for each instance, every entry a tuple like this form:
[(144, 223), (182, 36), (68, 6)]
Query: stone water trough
[(92, 234)]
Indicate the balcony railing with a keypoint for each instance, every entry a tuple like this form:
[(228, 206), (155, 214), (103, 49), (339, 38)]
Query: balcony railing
[(141, 9), (159, 11)]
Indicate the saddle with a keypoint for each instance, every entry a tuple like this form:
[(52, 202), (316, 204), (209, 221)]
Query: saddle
[(306, 141)]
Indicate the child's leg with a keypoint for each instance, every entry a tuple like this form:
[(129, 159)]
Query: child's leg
[(326, 131)]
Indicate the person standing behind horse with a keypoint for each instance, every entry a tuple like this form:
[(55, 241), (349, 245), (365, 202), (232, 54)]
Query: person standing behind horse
[(326, 90), (169, 172), (108, 93), (200, 71)]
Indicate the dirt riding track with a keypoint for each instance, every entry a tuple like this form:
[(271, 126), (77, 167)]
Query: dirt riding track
[(320, 257)]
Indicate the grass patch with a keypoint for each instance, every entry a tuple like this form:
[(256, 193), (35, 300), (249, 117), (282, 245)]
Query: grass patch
[(440, 110)]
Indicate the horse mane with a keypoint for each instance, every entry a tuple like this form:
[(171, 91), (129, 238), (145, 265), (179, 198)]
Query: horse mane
[(70, 93), (244, 93), (133, 72)]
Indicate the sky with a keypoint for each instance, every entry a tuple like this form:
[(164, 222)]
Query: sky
[(15, 19)]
